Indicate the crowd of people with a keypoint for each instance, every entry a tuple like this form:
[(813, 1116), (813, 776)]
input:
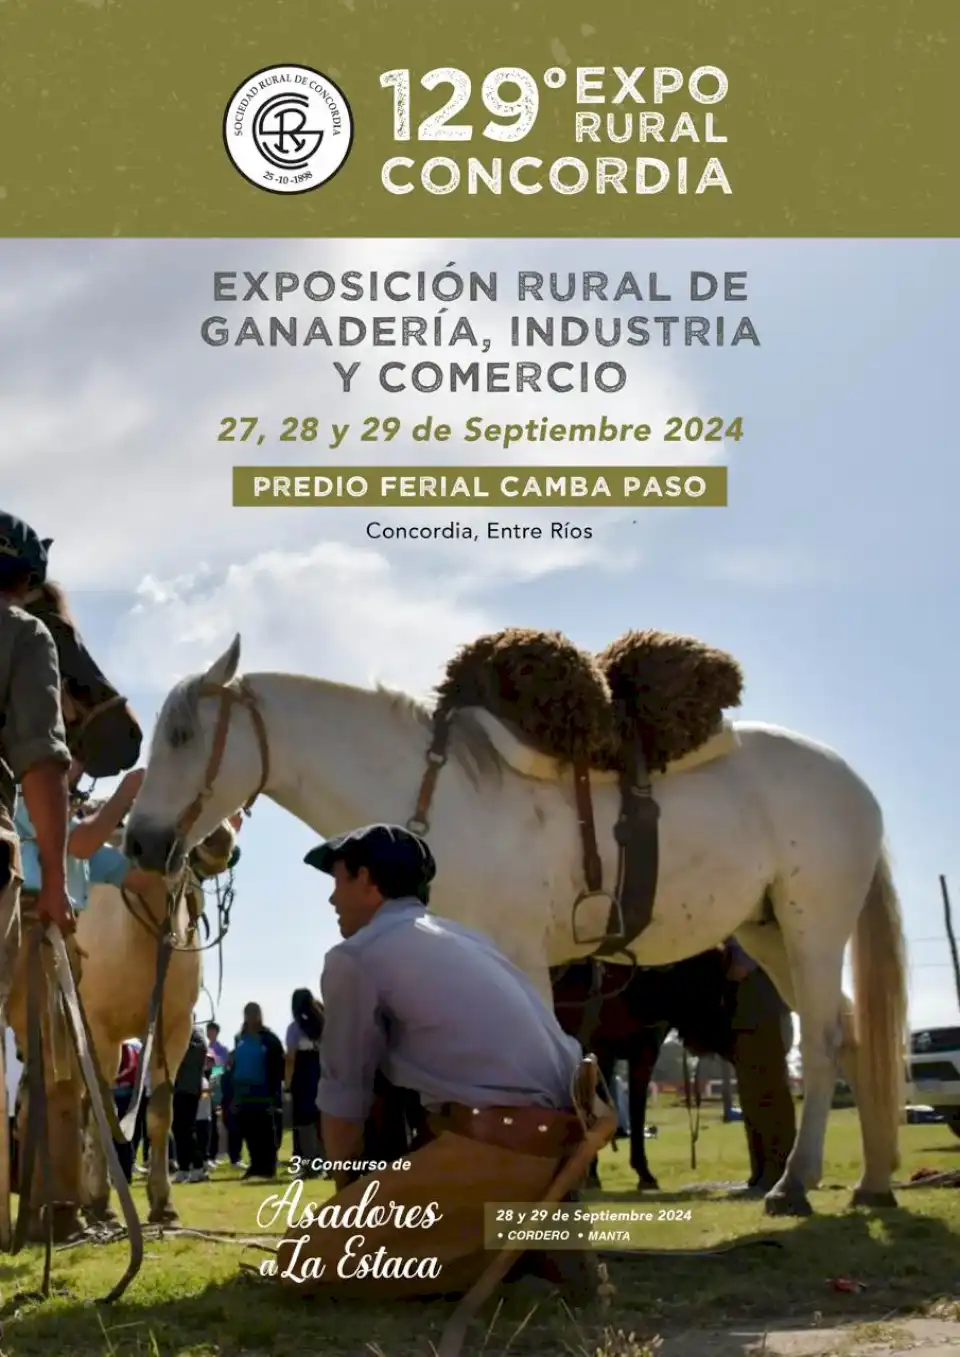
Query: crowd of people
[(229, 1101)]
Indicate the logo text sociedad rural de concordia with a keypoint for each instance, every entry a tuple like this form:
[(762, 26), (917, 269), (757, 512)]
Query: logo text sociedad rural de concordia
[(288, 129)]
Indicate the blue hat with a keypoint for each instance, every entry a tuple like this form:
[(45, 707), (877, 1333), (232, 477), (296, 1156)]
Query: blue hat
[(379, 846), (19, 543)]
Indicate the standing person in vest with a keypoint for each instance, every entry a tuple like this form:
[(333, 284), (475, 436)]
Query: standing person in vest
[(33, 746), (303, 1076), (33, 753), (256, 1067)]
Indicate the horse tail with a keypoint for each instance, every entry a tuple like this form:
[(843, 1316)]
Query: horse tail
[(880, 1004)]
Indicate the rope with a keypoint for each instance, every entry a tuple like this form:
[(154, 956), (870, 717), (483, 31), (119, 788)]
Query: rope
[(167, 944), (106, 1234)]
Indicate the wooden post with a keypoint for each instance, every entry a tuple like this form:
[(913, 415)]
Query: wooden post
[(951, 936)]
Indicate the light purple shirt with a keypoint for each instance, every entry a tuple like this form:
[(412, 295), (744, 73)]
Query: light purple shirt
[(220, 1051), (439, 1010), (738, 955)]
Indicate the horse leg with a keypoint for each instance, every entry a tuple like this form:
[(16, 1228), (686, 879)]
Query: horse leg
[(641, 1064), (159, 1120), (872, 1031), (814, 981)]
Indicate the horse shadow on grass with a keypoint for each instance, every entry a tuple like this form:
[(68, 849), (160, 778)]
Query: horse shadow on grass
[(903, 1260)]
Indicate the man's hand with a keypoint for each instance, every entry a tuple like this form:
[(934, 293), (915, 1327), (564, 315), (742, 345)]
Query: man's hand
[(342, 1139), (131, 784), (53, 907)]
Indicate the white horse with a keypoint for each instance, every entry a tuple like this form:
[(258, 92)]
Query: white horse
[(118, 975), (777, 842)]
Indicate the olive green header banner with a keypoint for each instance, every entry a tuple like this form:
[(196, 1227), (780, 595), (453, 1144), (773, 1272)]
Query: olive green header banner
[(427, 118), (463, 487)]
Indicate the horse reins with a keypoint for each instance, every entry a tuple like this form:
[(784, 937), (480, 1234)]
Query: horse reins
[(230, 696)]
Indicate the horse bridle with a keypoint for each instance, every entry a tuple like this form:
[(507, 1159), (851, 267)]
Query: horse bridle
[(89, 715), (231, 695)]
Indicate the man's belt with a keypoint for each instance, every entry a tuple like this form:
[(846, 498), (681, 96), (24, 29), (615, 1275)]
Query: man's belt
[(537, 1131)]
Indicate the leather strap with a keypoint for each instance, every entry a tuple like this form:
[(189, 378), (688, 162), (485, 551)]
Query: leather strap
[(419, 822), (94, 1081), (154, 1029), (10, 884), (524, 1130), (229, 697), (592, 864), (637, 836), (593, 1007)]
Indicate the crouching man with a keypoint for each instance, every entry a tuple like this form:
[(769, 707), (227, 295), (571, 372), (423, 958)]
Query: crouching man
[(437, 1010)]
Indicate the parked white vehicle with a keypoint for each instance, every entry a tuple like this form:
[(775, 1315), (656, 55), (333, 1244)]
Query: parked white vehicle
[(935, 1071)]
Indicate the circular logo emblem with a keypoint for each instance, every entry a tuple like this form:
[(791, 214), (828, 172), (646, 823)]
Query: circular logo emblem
[(288, 129)]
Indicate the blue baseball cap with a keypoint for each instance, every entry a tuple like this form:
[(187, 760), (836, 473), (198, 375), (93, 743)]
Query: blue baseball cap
[(388, 846)]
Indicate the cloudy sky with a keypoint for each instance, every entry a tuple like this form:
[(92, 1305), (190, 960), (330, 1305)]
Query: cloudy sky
[(832, 575)]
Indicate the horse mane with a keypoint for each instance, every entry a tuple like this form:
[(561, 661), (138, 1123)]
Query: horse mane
[(470, 745), (55, 597)]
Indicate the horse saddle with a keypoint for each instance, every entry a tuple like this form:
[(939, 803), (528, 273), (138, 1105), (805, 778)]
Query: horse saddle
[(636, 829)]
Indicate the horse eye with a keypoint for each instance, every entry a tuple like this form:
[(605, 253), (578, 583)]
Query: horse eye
[(179, 736)]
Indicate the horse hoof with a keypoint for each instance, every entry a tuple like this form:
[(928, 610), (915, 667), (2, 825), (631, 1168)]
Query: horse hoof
[(163, 1215), (877, 1201), (791, 1201), (647, 1185), (100, 1213)]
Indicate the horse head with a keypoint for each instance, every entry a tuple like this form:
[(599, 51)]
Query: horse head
[(102, 732)]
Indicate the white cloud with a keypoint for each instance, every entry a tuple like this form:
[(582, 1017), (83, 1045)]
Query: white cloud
[(334, 610)]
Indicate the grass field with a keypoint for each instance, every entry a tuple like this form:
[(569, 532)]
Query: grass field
[(192, 1300)]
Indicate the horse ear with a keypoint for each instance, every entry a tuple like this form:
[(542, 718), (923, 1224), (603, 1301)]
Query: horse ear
[(225, 668), (47, 543)]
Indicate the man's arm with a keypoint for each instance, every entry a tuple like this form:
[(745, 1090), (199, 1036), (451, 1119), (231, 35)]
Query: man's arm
[(35, 746), (91, 834), (351, 1050)]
